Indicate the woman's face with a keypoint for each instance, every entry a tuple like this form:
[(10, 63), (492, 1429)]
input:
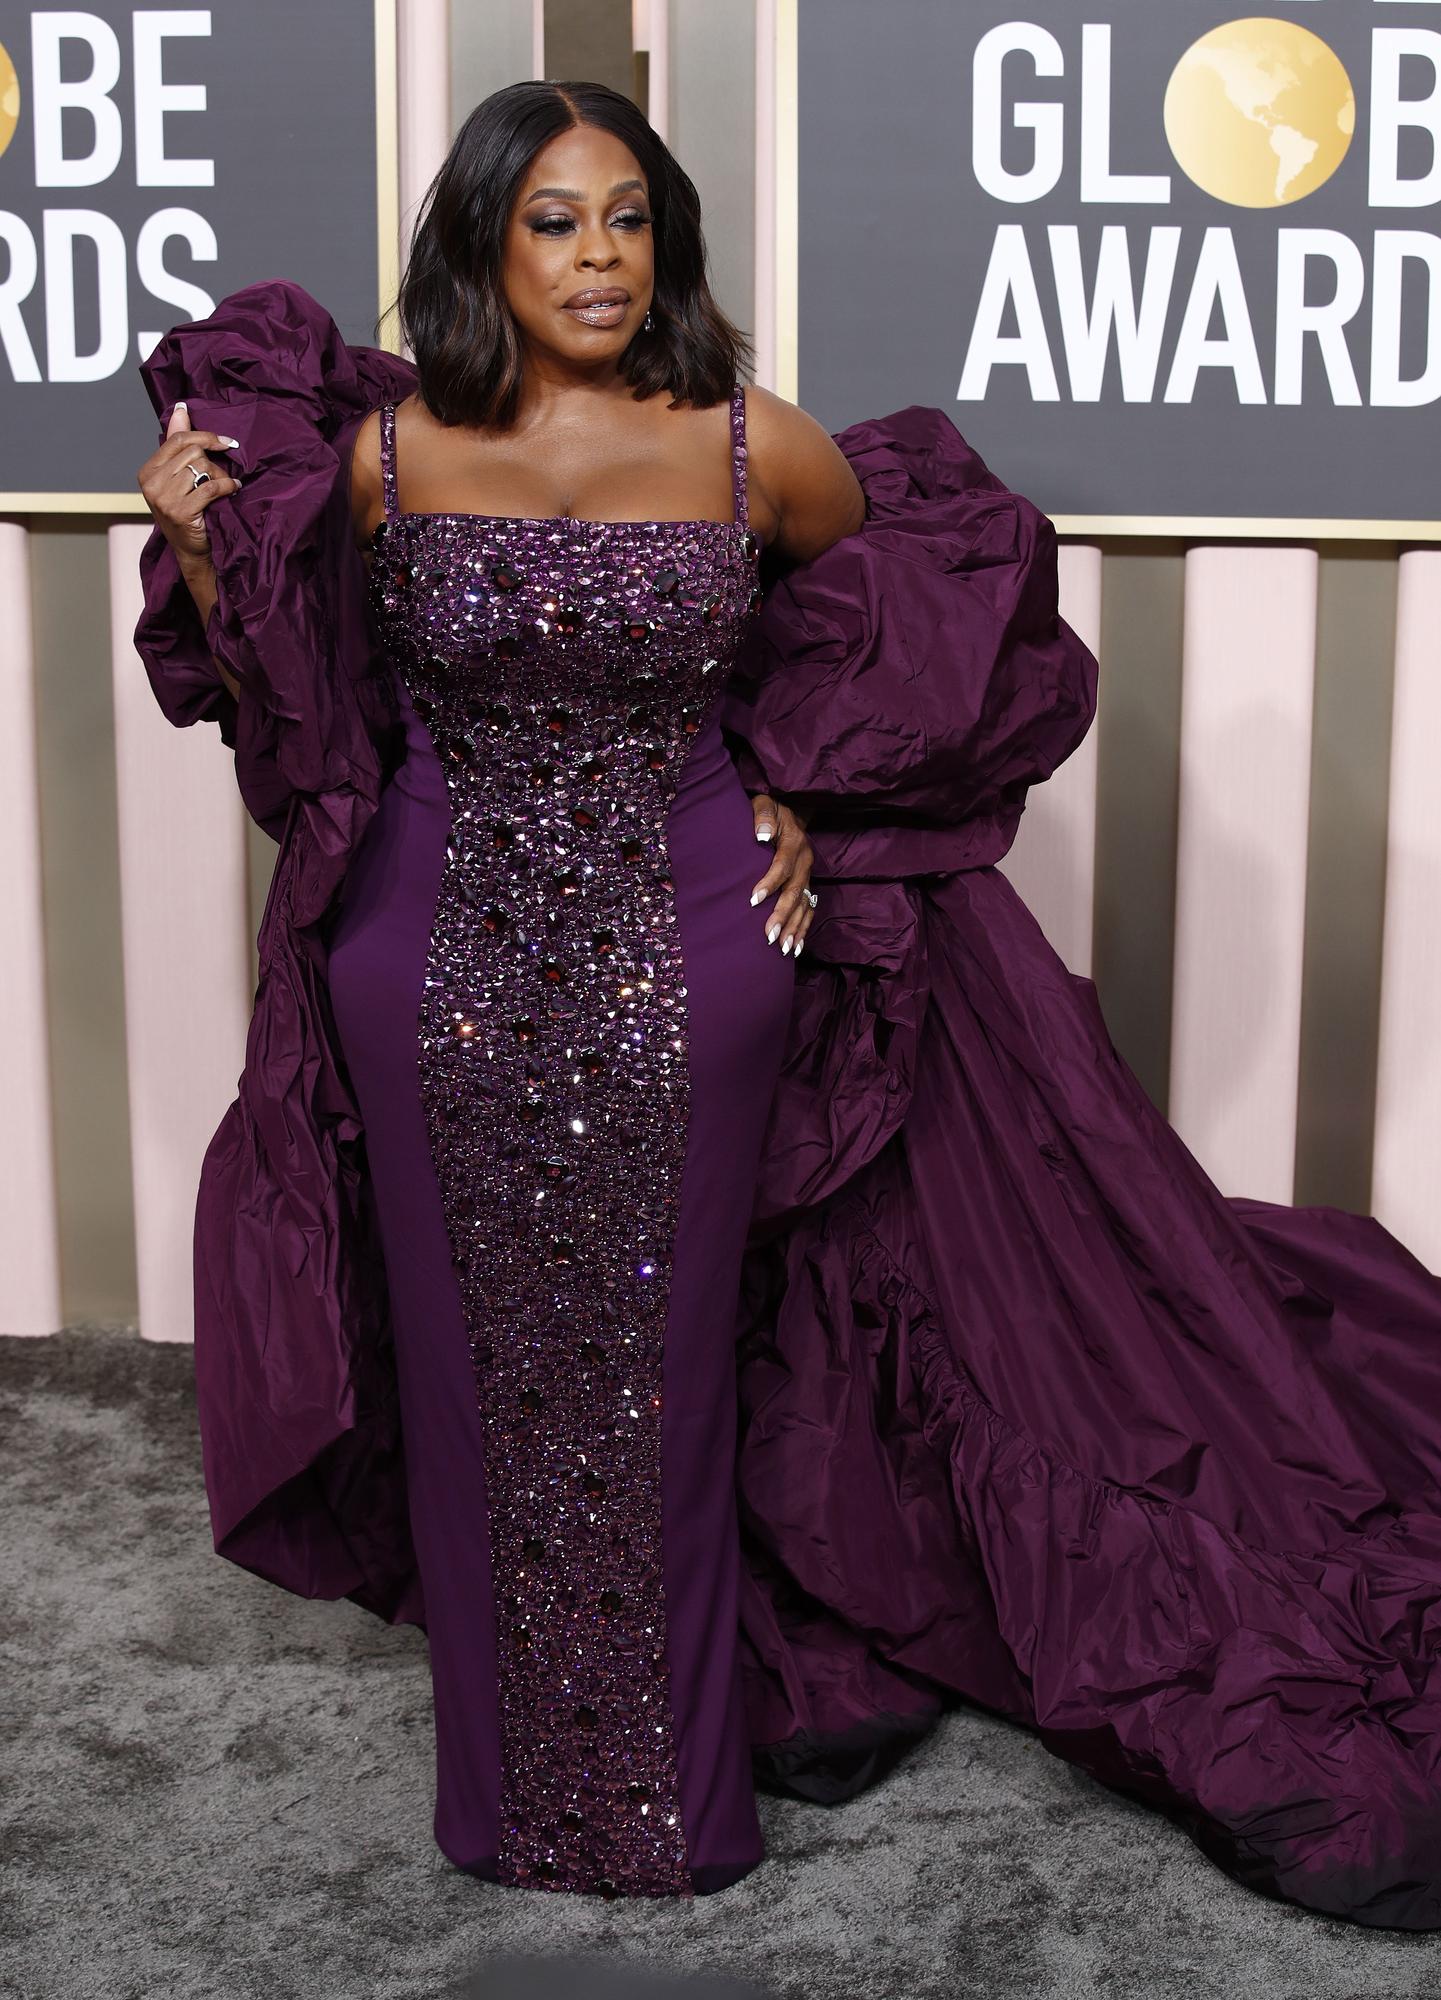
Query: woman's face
[(578, 263)]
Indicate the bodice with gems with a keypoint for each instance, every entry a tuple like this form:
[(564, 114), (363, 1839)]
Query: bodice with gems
[(507, 627)]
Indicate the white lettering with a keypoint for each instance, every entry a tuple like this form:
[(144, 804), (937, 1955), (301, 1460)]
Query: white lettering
[(63, 227), (155, 233), (23, 267), (1295, 319), (1391, 114), (50, 98), (154, 97), (1009, 277), (1086, 332), (1047, 121), (1217, 282), (1098, 183), (1388, 389)]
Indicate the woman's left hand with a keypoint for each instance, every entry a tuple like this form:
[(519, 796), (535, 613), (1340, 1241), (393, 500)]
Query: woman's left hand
[(789, 872)]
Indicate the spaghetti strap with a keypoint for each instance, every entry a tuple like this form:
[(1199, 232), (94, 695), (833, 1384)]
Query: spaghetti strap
[(387, 460), (738, 455)]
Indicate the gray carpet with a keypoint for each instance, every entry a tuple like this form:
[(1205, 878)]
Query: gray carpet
[(215, 1790)]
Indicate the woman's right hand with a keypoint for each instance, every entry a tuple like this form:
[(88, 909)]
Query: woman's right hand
[(176, 502)]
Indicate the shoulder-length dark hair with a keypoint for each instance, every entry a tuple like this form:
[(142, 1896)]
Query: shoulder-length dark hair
[(452, 307)]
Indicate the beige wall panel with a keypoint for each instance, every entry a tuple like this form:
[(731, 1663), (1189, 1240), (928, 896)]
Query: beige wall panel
[(1345, 874), (491, 46), (423, 68), (772, 287), (1052, 862), (1249, 667), (81, 874), (590, 41), (187, 956), (712, 117), (650, 34), (1138, 736), (261, 854), (1406, 1187), (29, 1204)]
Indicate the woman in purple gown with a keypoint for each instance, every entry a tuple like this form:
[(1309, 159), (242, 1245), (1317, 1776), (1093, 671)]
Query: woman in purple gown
[(551, 1158)]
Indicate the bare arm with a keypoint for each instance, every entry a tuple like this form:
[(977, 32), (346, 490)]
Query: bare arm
[(803, 497), (800, 480), (199, 575), (178, 508)]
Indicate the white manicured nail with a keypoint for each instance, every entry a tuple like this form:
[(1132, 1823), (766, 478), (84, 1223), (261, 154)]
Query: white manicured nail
[(773, 933)]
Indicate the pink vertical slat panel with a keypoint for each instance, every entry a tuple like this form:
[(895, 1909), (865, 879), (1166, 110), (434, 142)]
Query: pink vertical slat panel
[(1248, 672), (650, 34), (1406, 1175), (184, 924), (1052, 862), (423, 65), (766, 169), (29, 1223)]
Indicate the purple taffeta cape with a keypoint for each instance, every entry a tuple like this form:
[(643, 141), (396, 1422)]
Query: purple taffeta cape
[(1031, 1414)]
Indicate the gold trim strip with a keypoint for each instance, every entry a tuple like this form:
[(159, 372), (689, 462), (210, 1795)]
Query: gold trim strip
[(1196, 527), (1252, 527)]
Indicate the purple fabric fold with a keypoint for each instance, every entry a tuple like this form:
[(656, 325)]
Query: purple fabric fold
[(1032, 1415), (908, 685), (294, 1374)]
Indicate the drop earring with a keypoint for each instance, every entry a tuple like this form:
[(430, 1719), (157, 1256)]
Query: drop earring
[(647, 324)]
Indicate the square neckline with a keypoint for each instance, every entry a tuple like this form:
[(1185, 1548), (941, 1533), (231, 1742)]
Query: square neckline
[(553, 520), (739, 524)]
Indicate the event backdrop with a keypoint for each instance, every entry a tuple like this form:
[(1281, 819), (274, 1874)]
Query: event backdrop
[(1244, 853), (153, 159), (1156, 264)]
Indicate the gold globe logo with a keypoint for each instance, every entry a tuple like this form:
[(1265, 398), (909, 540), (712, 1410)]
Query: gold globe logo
[(9, 98), (1259, 112)]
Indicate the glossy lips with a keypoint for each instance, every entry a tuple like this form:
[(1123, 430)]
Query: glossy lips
[(602, 305)]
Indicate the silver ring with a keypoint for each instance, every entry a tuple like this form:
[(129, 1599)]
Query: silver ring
[(197, 477), (811, 897)]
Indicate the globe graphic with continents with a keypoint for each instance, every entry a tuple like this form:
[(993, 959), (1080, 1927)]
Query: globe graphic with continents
[(1259, 112), (9, 98)]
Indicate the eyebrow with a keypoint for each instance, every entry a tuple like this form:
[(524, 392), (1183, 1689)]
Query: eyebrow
[(573, 194)]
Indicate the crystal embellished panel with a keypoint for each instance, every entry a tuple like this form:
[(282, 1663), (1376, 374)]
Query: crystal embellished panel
[(562, 669)]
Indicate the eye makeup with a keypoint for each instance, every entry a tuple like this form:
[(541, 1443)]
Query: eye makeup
[(630, 219)]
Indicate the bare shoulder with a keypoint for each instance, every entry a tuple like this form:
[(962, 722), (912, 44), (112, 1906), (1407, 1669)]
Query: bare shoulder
[(801, 476), (367, 502)]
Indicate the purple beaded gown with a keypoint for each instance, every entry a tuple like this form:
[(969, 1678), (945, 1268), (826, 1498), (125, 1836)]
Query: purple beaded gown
[(563, 1023), (734, 1365)]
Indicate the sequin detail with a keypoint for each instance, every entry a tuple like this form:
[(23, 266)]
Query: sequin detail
[(562, 669)]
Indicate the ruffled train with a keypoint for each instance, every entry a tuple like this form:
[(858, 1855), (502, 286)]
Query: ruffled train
[(1034, 1416)]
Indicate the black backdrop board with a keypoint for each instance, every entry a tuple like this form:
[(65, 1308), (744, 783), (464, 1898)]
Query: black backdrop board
[(145, 174), (966, 171)]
